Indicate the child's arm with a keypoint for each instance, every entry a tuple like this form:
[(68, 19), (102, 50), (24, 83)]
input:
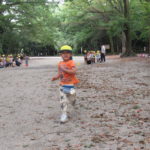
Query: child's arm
[(56, 77), (70, 71)]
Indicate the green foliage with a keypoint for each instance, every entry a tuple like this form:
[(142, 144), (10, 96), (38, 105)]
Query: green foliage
[(1, 51), (22, 23), (41, 26), (140, 20)]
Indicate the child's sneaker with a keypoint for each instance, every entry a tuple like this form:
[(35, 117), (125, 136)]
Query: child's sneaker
[(63, 118)]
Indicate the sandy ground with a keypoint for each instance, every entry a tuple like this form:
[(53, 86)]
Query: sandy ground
[(112, 110)]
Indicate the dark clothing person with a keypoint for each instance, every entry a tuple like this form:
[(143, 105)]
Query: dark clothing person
[(103, 52), (89, 62), (18, 63), (7, 64), (103, 57)]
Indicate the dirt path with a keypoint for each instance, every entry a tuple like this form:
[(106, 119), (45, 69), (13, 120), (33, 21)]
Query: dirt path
[(112, 110)]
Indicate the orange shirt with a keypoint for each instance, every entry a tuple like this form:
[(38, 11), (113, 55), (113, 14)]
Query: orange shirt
[(69, 79)]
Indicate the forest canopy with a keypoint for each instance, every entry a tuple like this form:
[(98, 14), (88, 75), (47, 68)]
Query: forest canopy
[(40, 27)]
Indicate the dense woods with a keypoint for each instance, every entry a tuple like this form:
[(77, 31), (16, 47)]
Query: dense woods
[(40, 27)]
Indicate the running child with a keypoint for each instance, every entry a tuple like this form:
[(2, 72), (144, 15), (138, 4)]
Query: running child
[(66, 74)]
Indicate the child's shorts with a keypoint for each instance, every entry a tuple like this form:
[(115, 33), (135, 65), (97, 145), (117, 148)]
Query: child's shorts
[(68, 89)]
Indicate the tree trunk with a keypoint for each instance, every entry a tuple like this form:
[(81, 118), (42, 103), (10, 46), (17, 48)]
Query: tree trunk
[(123, 40), (117, 45), (126, 47), (128, 41), (149, 46), (111, 44)]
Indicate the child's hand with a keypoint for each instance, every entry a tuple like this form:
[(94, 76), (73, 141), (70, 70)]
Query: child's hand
[(54, 78)]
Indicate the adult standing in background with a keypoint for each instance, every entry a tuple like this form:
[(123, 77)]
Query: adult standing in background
[(103, 53)]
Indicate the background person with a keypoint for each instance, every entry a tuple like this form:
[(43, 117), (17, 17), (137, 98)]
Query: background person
[(26, 60), (103, 53)]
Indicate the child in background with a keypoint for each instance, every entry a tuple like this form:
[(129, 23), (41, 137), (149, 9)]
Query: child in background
[(98, 56), (26, 60), (93, 57), (66, 74), (19, 60), (7, 61), (11, 60), (1, 62), (85, 56)]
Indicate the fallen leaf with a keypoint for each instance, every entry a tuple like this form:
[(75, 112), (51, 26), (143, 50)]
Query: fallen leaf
[(127, 141)]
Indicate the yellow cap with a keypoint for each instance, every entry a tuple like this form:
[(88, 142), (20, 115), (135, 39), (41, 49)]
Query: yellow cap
[(66, 48)]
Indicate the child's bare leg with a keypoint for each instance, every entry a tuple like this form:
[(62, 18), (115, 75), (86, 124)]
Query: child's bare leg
[(63, 102), (72, 99)]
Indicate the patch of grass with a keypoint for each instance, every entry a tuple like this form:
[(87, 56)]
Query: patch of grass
[(136, 107), (67, 140), (24, 146), (89, 146)]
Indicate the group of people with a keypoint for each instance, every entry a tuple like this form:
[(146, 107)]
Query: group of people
[(95, 56), (12, 61)]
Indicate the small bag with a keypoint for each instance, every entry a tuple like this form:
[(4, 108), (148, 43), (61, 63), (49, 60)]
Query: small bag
[(68, 89)]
